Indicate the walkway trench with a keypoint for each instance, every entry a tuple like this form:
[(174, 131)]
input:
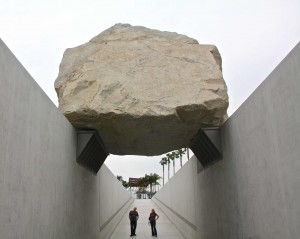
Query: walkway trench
[(165, 228)]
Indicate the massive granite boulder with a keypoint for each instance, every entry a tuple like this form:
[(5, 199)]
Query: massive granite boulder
[(145, 91)]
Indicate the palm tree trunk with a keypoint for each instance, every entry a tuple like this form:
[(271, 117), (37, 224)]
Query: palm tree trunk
[(168, 170), (173, 166), (187, 153), (180, 161), (163, 174)]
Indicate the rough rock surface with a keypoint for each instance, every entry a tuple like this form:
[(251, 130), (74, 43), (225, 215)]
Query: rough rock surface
[(145, 91)]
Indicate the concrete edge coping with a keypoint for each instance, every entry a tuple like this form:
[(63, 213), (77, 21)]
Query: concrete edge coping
[(109, 220), (178, 215)]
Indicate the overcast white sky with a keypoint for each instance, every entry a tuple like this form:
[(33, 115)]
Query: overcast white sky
[(252, 37)]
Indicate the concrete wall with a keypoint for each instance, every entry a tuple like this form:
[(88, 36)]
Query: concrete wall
[(254, 192), (177, 199), (43, 192), (114, 202)]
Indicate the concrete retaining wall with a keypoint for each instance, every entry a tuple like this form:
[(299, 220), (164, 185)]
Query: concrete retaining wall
[(43, 192), (177, 199), (254, 192), (114, 202)]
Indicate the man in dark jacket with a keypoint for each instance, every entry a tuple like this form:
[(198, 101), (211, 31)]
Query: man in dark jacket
[(133, 217)]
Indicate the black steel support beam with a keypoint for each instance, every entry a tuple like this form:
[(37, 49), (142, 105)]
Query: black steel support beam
[(206, 146), (91, 152)]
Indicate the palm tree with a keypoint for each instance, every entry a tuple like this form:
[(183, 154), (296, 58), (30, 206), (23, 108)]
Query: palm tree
[(187, 153), (156, 178), (120, 178), (175, 156), (152, 180), (168, 161), (148, 178), (163, 161), (181, 152), (142, 183), (157, 184), (172, 156), (124, 183)]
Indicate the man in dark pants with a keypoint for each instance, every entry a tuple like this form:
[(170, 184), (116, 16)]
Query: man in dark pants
[(133, 217)]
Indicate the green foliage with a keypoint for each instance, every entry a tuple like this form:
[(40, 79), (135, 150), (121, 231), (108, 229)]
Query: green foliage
[(124, 183), (175, 154), (172, 156), (163, 161)]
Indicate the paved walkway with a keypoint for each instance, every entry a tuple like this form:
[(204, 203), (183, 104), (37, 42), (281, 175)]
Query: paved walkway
[(165, 228)]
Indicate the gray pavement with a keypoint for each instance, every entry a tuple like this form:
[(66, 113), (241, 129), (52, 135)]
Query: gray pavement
[(165, 228)]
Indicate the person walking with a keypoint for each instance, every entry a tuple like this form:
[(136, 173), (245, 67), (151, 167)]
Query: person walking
[(133, 218), (152, 219)]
